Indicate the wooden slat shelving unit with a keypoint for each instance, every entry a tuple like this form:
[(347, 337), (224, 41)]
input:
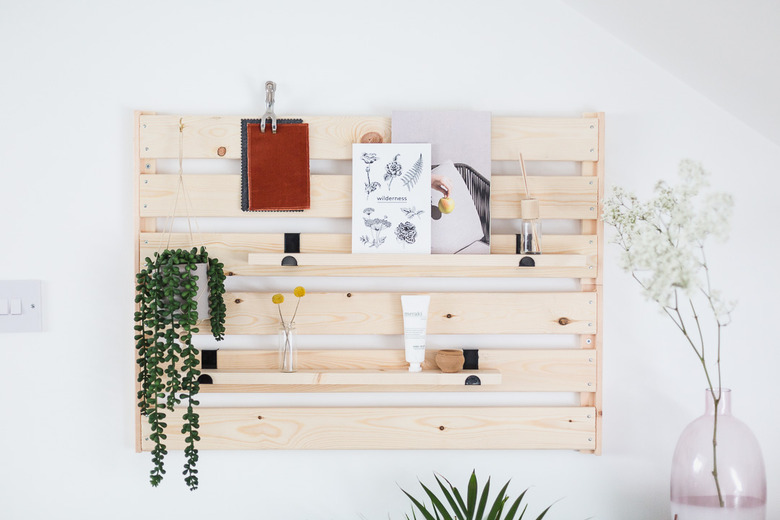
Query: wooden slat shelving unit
[(353, 376), (578, 312)]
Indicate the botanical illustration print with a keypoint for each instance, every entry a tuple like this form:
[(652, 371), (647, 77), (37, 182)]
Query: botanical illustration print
[(399, 210), (369, 159), (413, 175), (406, 232), (393, 170), (412, 212), (376, 227)]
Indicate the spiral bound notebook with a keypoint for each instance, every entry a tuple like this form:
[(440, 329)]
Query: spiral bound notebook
[(275, 166)]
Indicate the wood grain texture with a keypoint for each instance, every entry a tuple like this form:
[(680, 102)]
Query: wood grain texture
[(367, 377), (595, 170), (140, 225), (233, 249), (331, 137), (544, 139), (522, 370), (449, 313), (495, 265), (564, 197), (387, 428), (419, 260)]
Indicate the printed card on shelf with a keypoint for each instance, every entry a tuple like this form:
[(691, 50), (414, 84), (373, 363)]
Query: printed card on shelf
[(391, 198)]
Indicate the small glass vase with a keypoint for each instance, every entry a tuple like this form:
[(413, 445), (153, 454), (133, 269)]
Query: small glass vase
[(288, 351), (740, 466)]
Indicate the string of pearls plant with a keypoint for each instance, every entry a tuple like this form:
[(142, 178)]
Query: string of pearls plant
[(166, 291)]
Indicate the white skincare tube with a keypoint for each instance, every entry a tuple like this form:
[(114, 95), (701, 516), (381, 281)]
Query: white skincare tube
[(415, 309)]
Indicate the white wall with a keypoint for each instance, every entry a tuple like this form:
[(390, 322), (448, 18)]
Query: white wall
[(73, 72)]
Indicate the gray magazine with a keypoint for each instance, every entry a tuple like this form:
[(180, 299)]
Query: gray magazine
[(460, 156)]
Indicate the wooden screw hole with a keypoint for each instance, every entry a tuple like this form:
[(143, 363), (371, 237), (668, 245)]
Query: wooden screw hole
[(221, 151)]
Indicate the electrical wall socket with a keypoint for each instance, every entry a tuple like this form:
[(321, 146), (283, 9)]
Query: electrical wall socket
[(20, 306)]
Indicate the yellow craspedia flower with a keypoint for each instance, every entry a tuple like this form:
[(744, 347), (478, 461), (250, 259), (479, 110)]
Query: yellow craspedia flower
[(299, 291), (277, 298)]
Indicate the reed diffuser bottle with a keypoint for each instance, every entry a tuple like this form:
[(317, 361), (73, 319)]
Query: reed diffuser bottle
[(530, 237), (530, 227)]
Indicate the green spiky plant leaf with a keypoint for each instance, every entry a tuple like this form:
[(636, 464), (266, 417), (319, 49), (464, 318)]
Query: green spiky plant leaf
[(474, 507), (166, 319)]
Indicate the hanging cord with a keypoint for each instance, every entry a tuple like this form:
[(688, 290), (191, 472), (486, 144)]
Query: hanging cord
[(188, 206)]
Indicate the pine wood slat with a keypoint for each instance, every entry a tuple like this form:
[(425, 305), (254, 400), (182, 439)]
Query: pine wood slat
[(234, 248), (594, 170), (140, 226), (329, 137), (561, 197), (418, 260), (563, 139), (522, 370), (340, 264), (544, 139), (429, 428), (449, 313), (399, 377)]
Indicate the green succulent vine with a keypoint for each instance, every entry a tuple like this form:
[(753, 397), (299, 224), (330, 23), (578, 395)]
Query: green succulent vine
[(165, 321)]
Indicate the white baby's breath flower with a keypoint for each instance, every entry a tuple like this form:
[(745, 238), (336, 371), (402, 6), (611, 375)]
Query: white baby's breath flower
[(662, 237), (662, 241)]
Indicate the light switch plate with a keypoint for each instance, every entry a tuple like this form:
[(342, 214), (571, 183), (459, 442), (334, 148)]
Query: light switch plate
[(30, 317)]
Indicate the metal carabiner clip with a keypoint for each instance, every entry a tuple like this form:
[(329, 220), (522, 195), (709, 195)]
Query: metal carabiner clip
[(270, 90)]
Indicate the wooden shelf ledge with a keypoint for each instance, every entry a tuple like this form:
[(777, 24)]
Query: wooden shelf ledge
[(344, 264), (352, 377)]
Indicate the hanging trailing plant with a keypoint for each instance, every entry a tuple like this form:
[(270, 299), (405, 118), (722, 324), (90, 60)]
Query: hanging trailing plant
[(167, 317)]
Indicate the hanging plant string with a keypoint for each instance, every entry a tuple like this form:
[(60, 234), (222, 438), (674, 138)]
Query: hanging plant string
[(166, 319)]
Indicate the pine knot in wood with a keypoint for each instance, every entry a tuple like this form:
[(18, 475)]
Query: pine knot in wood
[(349, 295), (221, 151), (371, 137), (448, 316), (238, 300), (564, 321), (441, 428)]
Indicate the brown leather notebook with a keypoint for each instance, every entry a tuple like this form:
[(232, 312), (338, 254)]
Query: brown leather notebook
[(277, 167)]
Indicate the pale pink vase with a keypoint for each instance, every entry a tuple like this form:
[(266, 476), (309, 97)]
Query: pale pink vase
[(740, 468)]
